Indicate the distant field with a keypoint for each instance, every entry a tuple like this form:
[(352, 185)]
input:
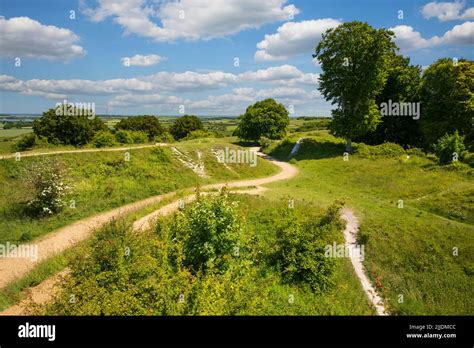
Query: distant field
[(12, 133)]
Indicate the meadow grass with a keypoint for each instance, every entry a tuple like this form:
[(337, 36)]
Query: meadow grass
[(408, 250), (256, 289), (102, 181)]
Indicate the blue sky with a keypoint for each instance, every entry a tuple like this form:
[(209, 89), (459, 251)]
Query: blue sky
[(159, 57)]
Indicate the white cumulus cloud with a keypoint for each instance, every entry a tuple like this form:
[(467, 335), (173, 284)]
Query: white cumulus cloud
[(25, 37), (293, 38), (189, 19), (408, 39), (446, 11)]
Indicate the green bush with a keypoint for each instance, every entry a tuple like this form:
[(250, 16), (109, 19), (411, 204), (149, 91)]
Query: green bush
[(148, 124), (123, 137), (26, 142), (131, 137), (300, 253), (200, 134), (264, 142), (139, 137), (264, 118), (390, 150), (166, 137), (104, 139), (449, 148), (209, 231), (30, 141)]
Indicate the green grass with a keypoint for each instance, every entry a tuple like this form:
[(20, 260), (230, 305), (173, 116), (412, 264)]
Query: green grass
[(146, 283), (16, 291), (409, 249), (102, 181), (14, 132)]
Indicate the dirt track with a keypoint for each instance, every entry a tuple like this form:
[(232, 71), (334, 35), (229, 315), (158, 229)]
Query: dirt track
[(66, 237), (69, 235)]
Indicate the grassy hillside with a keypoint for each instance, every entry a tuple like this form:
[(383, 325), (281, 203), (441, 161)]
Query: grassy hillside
[(409, 250), (155, 277), (102, 181)]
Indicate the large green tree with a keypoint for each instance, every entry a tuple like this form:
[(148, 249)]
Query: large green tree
[(74, 130), (148, 124), (402, 85), (447, 99), (265, 118), (354, 59), (185, 125)]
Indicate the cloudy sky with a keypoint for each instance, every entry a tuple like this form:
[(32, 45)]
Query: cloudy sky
[(214, 57)]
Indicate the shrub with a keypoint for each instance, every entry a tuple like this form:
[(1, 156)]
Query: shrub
[(301, 245), (166, 137), (209, 231), (390, 150), (199, 133), (123, 137), (104, 139), (139, 137), (46, 179), (449, 148), (148, 124), (264, 142), (26, 142)]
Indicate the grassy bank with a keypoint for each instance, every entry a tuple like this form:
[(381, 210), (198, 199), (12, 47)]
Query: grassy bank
[(409, 250)]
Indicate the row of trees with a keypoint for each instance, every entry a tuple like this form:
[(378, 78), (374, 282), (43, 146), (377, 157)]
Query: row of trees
[(80, 130), (361, 70)]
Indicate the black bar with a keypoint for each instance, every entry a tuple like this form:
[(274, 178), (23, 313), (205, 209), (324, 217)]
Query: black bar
[(350, 330)]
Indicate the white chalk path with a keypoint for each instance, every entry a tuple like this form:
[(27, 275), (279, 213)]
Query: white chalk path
[(350, 236)]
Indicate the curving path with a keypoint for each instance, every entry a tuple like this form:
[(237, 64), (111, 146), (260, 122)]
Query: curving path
[(350, 237), (66, 237), (70, 235), (61, 152)]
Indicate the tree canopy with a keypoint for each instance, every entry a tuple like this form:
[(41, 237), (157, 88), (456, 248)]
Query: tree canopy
[(354, 59), (185, 125), (148, 124), (66, 129), (402, 85), (265, 118), (447, 99)]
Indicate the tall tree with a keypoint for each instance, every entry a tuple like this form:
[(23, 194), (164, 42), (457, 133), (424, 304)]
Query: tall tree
[(354, 58), (447, 99), (265, 118)]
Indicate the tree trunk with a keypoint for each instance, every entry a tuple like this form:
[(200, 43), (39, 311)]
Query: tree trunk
[(349, 145)]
